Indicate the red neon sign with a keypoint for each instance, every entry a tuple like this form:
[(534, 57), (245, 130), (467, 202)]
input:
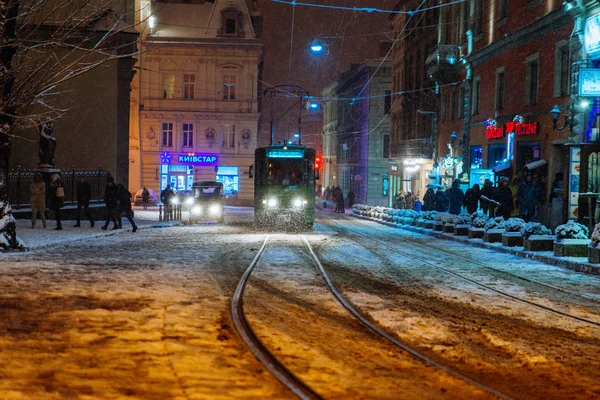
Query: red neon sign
[(494, 133)]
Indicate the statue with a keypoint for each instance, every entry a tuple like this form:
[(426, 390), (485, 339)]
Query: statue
[(47, 144)]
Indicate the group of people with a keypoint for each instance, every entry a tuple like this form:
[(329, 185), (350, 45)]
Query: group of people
[(336, 194), (406, 201), (116, 197)]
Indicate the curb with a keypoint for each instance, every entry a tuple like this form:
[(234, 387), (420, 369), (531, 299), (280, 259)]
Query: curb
[(584, 266)]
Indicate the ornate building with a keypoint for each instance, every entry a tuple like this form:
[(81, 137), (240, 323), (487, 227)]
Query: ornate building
[(194, 108)]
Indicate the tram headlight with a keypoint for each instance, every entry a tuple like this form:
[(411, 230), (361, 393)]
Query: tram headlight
[(297, 202), (197, 210), (272, 202), (189, 201), (214, 209)]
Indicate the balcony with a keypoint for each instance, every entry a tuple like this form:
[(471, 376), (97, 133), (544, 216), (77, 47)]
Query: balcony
[(442, 63), (413, 148)]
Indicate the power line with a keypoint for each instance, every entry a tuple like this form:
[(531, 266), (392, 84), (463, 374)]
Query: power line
[(364, 9)]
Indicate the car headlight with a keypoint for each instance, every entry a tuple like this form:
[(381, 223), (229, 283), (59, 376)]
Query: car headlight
[(189, 201), (272, 202), (297, 202), (214, 209), (196, 210), (174, 200)]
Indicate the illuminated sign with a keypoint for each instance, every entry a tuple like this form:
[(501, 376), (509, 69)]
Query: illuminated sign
[(285, 153), (592, 34), (494, 133), (510, 148), (589, 82), (189, 158), (520, 129)]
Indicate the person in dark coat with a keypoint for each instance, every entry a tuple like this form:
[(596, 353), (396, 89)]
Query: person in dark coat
[(339, 201), (351, 198), (441, 200), (165, 197), (125, 206), (472, 198), (487, 192), (84, 195), (504, 196), (145, 198), (111, 200), (429, 200), (57, 199), (527, 198), (456, 198)]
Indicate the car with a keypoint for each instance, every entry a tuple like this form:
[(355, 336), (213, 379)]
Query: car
[(207, 201), (138, 199)]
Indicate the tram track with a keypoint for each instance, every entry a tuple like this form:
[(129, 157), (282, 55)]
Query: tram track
[(465, 278), (276, 367)]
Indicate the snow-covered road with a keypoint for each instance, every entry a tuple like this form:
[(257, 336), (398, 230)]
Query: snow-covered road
[(146, 316)]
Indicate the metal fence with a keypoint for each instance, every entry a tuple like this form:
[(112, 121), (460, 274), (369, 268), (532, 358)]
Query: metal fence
[(20, 180)]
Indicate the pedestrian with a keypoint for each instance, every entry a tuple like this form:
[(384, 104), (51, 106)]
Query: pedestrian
[(527, 198), (111, 201), (429, 200), (486, 194), (165, 197), (57, 199), (441, 200), (399, 201), (327, 193), (340, 201), (503, 195), (418, 205), (351, 198), (410, 200), (84, 195), (37, 191), (124, 197), (472, 198), (456, 198), (145, 198), (319, 190)]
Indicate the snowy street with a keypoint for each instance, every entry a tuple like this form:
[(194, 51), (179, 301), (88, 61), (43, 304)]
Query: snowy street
[(147, 316)]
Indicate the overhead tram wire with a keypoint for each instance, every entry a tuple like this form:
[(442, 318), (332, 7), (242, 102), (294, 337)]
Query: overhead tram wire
[(364, 9)]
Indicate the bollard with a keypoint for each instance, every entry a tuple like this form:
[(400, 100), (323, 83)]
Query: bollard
[(160, 213)]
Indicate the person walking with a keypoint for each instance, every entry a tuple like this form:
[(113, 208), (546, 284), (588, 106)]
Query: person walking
[(145, 198), (57, 199), (84, 195), (124, 197), (165, 197), (441, 200), (527, 198), (399, 202), (37, 192), (111, 201), (487, 194), (456, 198), (503, 195), (327, 193), (351, 198), (429, 200), (418, 205), (472, 198)]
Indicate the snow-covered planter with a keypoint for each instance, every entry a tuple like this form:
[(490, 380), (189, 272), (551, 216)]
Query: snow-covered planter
[(493, 230), (494, 223), (462, 222), (571, 240), (478, 222), (534, 228), (440, 219), (512, 232), (513, 225), (536, 237)]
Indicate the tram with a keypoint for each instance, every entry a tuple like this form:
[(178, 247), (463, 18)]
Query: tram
[(284, 186)]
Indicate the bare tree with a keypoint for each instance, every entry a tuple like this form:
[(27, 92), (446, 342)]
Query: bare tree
[(43, 44)]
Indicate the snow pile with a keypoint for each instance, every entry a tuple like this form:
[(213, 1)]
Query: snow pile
[(571, 230), (462, 219), (514, 225), (494, 223), (478, 220), (534, 228)]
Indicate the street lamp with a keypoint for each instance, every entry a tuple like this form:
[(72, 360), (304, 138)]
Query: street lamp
[(316, 46), (556, 115)]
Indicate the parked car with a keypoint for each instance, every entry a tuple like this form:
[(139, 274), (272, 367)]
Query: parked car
[(152, 200)]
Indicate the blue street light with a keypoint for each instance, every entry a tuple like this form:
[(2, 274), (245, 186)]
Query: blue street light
[(296, 136), (314, 105), (316, 46)]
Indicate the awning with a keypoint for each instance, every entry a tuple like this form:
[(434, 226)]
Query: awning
[(501, 167), (535, 164)]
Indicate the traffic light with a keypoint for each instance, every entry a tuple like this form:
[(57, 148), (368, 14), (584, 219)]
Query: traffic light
[(317, 167)]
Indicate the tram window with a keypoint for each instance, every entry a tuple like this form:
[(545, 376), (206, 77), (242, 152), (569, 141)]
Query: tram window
[(286, 172)]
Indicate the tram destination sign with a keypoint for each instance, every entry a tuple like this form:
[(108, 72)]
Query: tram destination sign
[(285, 153), (188, 158)]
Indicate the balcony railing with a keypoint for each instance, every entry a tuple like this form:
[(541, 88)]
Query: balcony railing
[(412, 148), (442, 63)]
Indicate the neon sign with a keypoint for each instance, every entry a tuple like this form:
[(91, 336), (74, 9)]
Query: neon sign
[(189, 158), (494, 133), (515, 126), (592, 34)]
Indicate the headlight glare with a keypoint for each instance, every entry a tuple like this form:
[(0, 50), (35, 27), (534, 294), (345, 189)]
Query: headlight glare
[(189, 201), (272, 202), (196, 210), (214, 209), (297, 202)]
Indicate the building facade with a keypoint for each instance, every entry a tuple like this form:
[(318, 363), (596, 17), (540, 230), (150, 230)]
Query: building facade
[(195, 112), (356, 127)]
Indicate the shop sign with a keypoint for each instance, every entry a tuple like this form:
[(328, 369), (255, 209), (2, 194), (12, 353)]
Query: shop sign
[(188, 158), (522, 129), (589, 82), (592, 34), (494, 133)]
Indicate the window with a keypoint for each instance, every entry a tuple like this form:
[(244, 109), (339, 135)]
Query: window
[(475, 96), (188, 86), (387, 102), (386, 146), (232, 22), (230, 26), (502, 9), (230, 178), (167, 134), (464, 21), (168, 85), (452, 104), (478, 18), (447, 25), (496, 154), (531, 81), (444, 101), (461, 102), (499, 100), (188, 134), (228, 87), (562, 69), (229, 136), (476, 157)]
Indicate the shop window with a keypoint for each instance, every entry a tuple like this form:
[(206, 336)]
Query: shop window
[(386, 146), (167, 134), (475, 96), (476, 157), (499, 100), (229, 136), (496, 154), (229, 86), (168, 85), (531, 81), (188, 86), (179, 177), (229, 176), (188, 134)]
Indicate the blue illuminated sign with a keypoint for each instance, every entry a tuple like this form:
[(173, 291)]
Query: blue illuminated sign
[(189, 158), (592, 34), (285, 153)]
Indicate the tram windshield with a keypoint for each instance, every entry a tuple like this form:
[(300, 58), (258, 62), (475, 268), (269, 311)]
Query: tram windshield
[(285, 172)]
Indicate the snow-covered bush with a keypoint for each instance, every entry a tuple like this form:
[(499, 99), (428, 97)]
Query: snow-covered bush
[(428, 215), (442, 217), (596, 236), (494, 223), (479, 221), (514, 225), (479, 215), (571, 230), (534, 228), (411, 214), (462, 219)]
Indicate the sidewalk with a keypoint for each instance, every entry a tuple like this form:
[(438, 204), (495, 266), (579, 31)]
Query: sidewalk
[(40, 238)]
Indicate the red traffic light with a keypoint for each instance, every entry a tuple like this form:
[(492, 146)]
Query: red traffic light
[(317, 162)]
